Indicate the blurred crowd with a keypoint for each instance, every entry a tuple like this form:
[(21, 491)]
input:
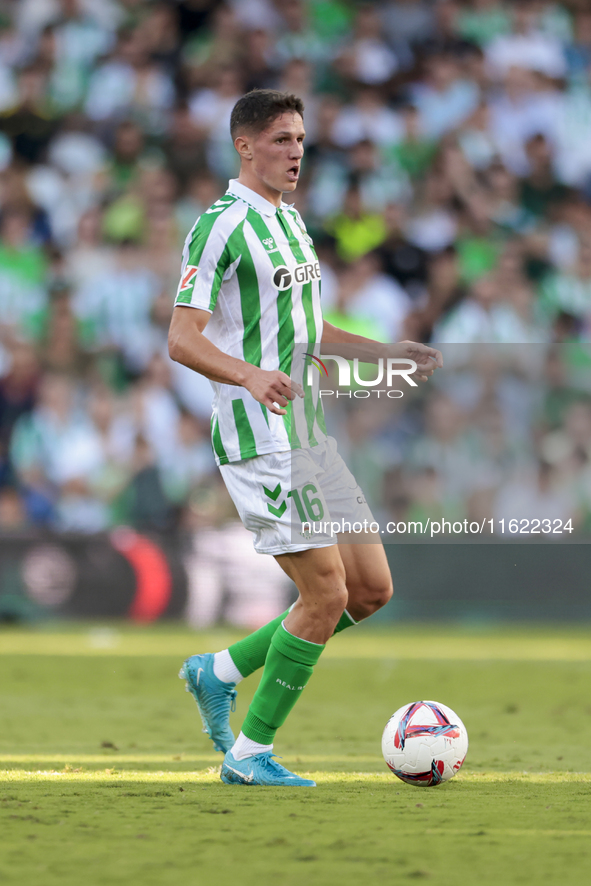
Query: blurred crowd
[(447, 185), (503, 433)]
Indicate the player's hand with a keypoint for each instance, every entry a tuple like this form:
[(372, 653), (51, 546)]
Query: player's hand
[(272, 389), (428, 359)]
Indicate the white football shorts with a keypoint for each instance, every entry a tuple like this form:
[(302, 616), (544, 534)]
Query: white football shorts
[(298, 499)]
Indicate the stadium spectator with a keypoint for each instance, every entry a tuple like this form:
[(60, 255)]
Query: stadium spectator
[(527, 45), (114, 306), (210, 109), (432, 219), (443, 98), (297, 38), (368, 296), (368, 58), (483, 21), (408, 22), (538, 492), (23, 270), (18, 387), (13, 517), (569, 291), (255, 62), (444, 291), (445, 447), (401, 259), (56, 453), (578, 53), (130, 82), (488, 316), (356, 229), (415, 152), (367, 117), (540, 191)]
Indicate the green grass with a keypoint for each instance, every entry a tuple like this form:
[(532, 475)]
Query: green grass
[(106, 778)]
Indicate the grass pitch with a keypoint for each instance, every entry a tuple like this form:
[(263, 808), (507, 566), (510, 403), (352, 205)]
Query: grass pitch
[(106, 778)]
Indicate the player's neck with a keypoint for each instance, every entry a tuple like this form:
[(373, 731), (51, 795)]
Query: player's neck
[(260, 188)]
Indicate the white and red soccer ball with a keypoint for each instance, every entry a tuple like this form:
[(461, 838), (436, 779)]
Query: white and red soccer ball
[(424, 743)]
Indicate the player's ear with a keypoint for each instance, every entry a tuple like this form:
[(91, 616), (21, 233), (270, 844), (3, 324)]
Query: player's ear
[(242, 145)]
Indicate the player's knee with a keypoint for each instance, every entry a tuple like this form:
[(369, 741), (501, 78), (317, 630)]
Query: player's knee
[(329, 598), (381, 592), (333, 601), (338, 602), (330, 582), (374, 595), (384, 593)]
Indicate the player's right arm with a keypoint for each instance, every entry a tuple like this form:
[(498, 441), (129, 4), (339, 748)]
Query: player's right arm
[(188, 345)]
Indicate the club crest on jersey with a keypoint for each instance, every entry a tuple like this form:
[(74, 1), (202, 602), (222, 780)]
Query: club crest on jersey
[(305, 234), (283, 278), (188, 278)]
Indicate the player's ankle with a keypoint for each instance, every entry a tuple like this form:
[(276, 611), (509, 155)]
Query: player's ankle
[(225, 669), (245, 747)]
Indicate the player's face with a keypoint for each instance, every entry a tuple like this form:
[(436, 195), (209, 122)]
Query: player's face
[(277, 154)]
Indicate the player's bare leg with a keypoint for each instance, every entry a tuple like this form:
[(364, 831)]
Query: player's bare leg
[(295, 648), (319, 575), (367, 576), (369, 587)]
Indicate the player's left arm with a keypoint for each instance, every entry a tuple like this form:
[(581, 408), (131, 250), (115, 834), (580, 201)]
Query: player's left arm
[(427, 358)]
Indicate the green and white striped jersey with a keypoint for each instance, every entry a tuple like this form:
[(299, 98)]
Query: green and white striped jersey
[(253, 267)]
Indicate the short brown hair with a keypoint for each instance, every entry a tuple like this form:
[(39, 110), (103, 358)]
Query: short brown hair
[(259, 107)]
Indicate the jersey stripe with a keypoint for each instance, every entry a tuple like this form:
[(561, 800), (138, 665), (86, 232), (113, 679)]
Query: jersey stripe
[(320, 417), (285, 334), (217, 280), (216, 437), (308, 249), (268, 324), (309, 408), (247, 442), (312, 305), (250, 301)]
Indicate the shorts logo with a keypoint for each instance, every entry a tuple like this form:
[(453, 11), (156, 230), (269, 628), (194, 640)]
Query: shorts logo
[(274, 494), (282, 278), (188, 278)]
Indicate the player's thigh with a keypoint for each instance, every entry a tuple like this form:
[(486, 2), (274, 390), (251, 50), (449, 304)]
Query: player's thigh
[(318, 573), (367, 572)]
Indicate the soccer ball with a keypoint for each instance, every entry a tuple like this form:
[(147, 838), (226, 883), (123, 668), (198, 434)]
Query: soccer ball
[(424, 743)]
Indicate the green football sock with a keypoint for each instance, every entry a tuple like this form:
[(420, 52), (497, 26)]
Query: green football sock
[(288, 667), (345, 621), (250, 653)]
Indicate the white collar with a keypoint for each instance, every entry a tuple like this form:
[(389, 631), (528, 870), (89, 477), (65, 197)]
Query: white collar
[(252, 198)]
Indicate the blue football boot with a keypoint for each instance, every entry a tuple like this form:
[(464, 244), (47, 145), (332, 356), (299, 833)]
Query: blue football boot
[(215, 699), (262, 769)]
